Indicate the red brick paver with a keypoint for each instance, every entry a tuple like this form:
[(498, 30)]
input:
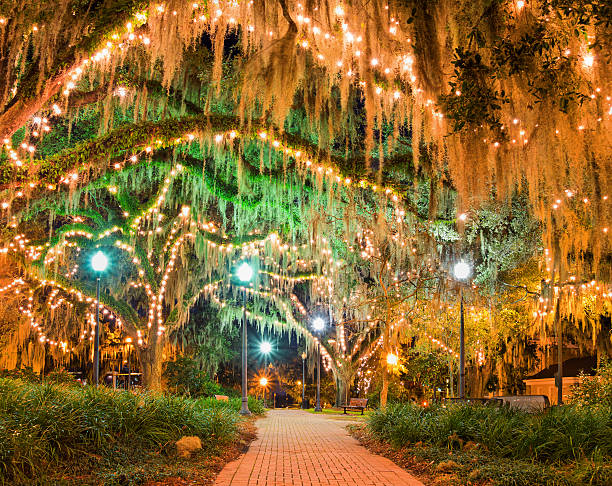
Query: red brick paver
[(296, 448)]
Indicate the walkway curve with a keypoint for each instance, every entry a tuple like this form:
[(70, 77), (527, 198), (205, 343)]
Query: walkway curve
[(296, 448)]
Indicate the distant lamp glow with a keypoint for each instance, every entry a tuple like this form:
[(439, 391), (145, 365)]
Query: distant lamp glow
[(303, 355), (245, 272), (318, 324), (265, 347), (519, 5), (263, 381), (392, 359), (462, 270), (299, 382), (588, 60), (99, 262)]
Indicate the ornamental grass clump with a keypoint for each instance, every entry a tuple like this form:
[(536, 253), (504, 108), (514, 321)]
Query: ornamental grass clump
[(47, 424), (559, 434)]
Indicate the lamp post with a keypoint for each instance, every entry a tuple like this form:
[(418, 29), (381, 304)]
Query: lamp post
[(462, 271), (318, 324), (245, 274), (265, 348), (304, 380), (99, 262), (263, 381)]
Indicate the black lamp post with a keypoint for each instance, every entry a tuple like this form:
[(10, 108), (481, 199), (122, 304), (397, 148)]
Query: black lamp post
[(99, 262), (462, 272), (304, 380), (245, 275), (318, 324)]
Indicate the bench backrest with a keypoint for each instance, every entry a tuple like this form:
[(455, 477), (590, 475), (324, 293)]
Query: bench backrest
[(528, 403), (358, 402), (222, 398)]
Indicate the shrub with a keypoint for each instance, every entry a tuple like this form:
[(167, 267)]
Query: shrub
[(185, 378), (559, 434), (43, 424), (595, 390)]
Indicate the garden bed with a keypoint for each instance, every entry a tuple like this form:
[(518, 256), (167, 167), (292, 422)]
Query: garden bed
[(67, 434), (465, 445)]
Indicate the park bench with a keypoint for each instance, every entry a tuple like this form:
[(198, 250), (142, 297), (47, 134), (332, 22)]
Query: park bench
[(356, 404), (222, 398), (527, 403)]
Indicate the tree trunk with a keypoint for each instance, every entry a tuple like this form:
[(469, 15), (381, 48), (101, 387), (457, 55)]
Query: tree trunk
[(151, 362), (385, 387)]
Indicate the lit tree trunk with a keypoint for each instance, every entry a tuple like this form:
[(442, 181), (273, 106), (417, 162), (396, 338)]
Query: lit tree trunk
[(151, 361), (385, 386)]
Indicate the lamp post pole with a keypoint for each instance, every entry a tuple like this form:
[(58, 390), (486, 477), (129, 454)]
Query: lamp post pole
[(245, 399), (318, 405), (462, 350), (462, 272), (99, 262), (97, 336), (303, 380)]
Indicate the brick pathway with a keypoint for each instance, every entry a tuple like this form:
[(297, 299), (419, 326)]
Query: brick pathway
[(296, 448)]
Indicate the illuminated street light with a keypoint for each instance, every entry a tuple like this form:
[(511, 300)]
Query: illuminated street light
[(462, 271), (392, 359), (245, 272), (318, 324), (263, 381), (99, 262), (265, 347)]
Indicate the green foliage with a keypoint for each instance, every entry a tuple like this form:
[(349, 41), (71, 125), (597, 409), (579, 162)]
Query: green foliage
[(595, 391), (61, 377), (185, 378), (503, 237), (558, 434), (45, 425), (473, 99)]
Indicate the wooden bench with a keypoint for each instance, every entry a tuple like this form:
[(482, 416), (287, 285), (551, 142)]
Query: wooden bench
[(356, 404), (222, 398)]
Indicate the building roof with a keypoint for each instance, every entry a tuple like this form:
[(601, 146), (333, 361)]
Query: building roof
[(571, 367)]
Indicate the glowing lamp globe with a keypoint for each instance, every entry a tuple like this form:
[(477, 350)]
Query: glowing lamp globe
[(263, 381), (303, 355), (245, 272), (392, 359), (99, 262), (265, 347), (318, 324), (462, 270)]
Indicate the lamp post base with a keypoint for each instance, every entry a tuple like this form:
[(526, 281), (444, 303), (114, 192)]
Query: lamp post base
[(318, 408), (245, 407)]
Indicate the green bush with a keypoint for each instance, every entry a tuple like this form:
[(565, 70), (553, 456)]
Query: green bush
[(185, 378), (558, 434), (595, 391), (42, 424)]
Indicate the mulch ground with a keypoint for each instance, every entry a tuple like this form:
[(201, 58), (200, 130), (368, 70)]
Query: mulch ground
[(203, 469)]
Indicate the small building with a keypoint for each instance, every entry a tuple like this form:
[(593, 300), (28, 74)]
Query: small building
[(543, 382)]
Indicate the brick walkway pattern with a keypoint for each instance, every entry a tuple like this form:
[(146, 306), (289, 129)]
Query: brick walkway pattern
[(296, 448)]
